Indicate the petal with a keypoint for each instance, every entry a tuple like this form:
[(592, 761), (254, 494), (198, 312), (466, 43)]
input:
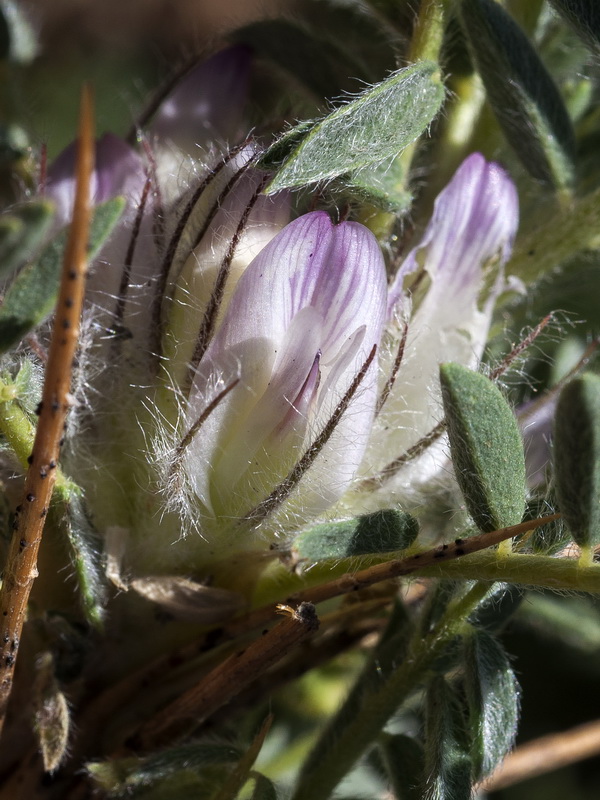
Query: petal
[(475, 220), (118, 171), (208, 103), (474, 224), (317, 293)]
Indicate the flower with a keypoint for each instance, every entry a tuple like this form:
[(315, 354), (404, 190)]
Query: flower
[(457, 272), (305, 318), (255, 376)]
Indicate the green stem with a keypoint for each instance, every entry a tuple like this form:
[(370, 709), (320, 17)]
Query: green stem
[(18, 431), (541, 572), (15, 425), (537, 571), (334, 756)]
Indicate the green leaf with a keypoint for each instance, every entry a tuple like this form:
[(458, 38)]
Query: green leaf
[(380, 532), (499, 605), (403, 759), (31, 297), (368, 130), (85, 547), (21, 233), (550, 538), (264, 789), (126, 777), (486, 447), (447, 757), (584, 17), (524, 98), (284, 145), (577, 458), (381, 185), (493, 700)]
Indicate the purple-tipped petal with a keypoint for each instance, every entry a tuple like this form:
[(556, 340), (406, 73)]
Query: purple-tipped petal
[(472, 230), (208, 103), (475, 220), (301, 323), (118, 171)]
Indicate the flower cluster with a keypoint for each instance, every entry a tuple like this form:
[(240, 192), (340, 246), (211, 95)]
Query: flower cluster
[(294, 387), (271, 373)]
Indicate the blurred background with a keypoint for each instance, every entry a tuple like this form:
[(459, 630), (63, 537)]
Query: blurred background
[(124, 47)]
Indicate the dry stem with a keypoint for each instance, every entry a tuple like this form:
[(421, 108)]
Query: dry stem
[(21, 566), (545, 755)]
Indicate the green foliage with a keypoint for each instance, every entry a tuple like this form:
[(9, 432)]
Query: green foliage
[(577, 458), (21, 233), (73, 522), (181, 766), (486, 447), (521, 92), (31, 297), (493, 701), (381, 185), (368, 130), (447, 756), (380, 532)]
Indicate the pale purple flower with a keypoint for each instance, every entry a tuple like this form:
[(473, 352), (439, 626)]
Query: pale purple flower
[(208, 103), (118, 170), (462, 254), (302, 323)]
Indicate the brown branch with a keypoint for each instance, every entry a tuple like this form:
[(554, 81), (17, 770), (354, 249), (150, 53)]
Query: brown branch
[(21, 566), (352, 582), (545, 755), (229, 678)]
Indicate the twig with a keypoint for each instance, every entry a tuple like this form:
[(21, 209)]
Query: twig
[(545, 755), (352, 582), (21, 566), (229, 678)]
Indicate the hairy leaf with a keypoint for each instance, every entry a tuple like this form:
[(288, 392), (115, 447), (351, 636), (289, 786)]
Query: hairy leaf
[(447, 756), (486, 447), (370, 129), (526, 102), (21, 233), (51, 713), (577, 458), (380, 532), (31, 297), (493, 700), (124, 777)]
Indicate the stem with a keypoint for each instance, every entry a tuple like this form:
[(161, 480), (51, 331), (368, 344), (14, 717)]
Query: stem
[(30, 515), (542, 572), (18, 431), (334, 756)]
